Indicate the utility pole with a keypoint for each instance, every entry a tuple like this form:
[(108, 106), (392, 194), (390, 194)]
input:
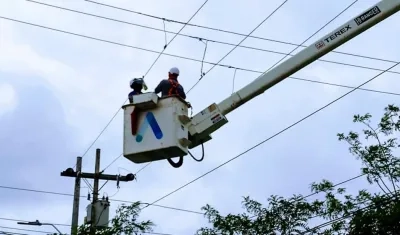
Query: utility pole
[(77, 195), (95, 192), (96, 176)]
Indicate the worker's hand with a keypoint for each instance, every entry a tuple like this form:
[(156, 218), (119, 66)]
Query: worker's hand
[(189, 104)]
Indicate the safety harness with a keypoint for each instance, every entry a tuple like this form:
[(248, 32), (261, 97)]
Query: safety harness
[(174, 87)]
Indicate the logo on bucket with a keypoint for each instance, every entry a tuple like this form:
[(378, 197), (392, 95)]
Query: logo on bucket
[(151, 121)]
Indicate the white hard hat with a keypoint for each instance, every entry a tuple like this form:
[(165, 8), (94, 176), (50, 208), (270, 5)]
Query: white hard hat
[(174, 70)]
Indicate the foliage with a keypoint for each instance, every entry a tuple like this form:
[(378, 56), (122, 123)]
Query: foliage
[(124, 222), (342, 213)]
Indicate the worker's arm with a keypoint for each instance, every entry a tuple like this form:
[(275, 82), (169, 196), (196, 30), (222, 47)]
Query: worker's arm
[(160, 86), (181, 92), (130, 97)]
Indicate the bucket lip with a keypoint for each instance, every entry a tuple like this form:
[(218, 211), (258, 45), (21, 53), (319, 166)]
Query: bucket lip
[(162, 98)]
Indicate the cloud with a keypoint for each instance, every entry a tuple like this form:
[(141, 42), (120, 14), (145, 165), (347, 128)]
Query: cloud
[(8, 98)]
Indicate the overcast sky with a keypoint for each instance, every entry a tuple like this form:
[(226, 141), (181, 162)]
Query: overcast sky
[(58, 91)]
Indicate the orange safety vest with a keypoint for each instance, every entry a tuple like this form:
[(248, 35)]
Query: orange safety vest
[(174, 85)]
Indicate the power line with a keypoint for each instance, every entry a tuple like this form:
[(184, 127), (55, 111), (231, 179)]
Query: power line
[(196, 60), (165, 47), (37, 231), (166, 207), (18, 220), (152, 204), (115, 159), (312, 35), (12, 233), (231, 32), (333, 186), (286, 54), (221, 42), (156, 205), (116, 200), (26, 230), (252, 31), (273, 136)]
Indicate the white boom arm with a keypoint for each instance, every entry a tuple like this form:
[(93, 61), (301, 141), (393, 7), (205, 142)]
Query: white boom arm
[(213, 117)]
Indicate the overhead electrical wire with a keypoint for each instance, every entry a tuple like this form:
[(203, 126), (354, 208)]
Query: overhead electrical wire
[(196, 60), (38, 231), (286, 54), (115, 200), (165, 47), (312, 35), (309, 195), (230, 32), (222, 42), (155, 205), (200, 213), (274, 135), (26, 230), (12, 233), (18, 220), (252, 31)]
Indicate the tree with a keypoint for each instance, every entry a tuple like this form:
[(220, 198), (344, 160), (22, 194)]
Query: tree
[(342, 213), (124, 222)]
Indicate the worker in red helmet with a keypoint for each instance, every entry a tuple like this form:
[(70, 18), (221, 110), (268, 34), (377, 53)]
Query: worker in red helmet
[(171, 86)]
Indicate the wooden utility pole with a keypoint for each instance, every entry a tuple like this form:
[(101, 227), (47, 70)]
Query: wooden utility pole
[(96, 176), (95, 192), (77, 192)]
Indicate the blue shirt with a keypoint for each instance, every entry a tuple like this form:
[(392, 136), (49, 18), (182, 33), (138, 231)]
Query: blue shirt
[(131, 94)]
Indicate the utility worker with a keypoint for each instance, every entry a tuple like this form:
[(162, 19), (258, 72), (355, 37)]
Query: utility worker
[(171, 86), (137, 84)]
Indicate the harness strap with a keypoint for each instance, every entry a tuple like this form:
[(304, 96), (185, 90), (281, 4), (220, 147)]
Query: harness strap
[(174, 85)]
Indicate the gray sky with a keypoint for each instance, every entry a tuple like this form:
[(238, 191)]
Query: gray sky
[(58, 91)]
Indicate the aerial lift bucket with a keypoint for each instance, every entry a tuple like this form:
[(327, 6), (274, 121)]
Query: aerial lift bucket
[(155, 128)]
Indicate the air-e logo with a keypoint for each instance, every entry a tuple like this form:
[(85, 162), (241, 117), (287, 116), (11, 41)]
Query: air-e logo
[(338, 33), (151, 121)]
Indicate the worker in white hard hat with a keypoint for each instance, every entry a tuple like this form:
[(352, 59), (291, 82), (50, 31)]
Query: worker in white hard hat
[(171, 86), (137, 84)]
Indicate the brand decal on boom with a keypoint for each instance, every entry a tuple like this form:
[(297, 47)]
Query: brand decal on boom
[(338, 33), (332, 37), (367, 15)]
